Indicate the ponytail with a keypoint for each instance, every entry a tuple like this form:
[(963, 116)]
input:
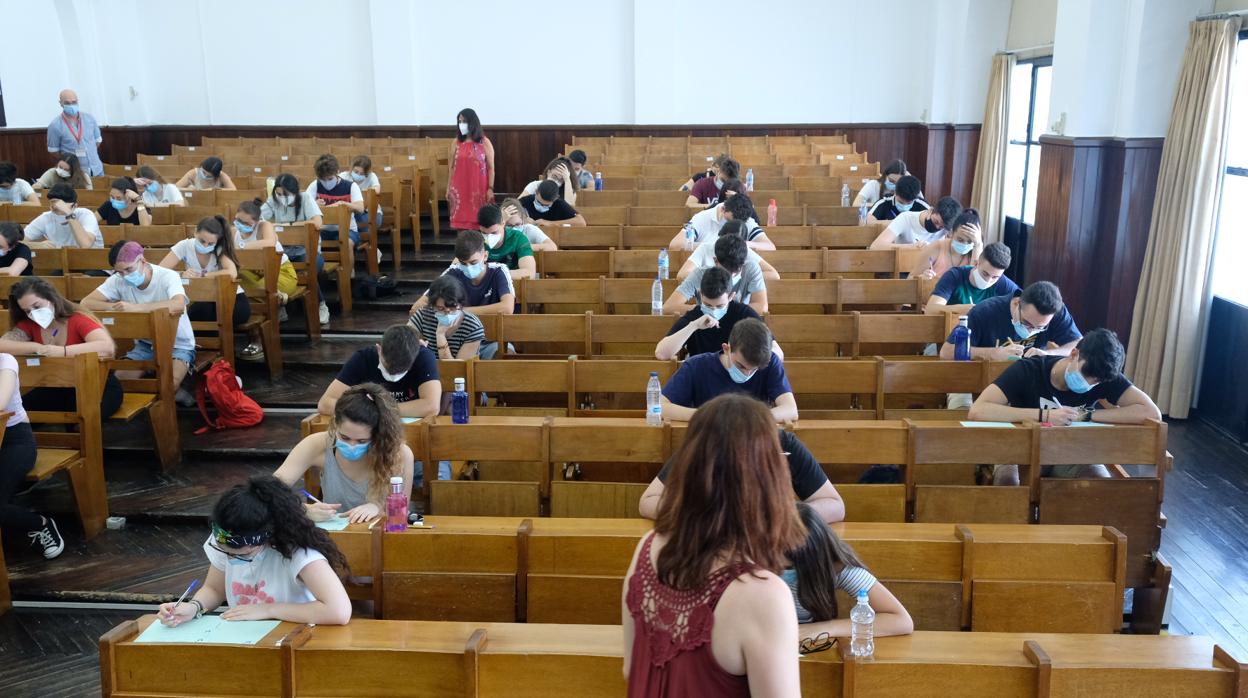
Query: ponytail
[(266, 507)]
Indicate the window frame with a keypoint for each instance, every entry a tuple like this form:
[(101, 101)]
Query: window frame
[(1229, 171), (1035, 63)]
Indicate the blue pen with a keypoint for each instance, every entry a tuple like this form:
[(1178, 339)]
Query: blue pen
[(194, 583), (309, 496)]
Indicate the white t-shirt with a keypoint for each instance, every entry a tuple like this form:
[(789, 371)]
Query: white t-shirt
[(356, 195), (908, 229), (533, 233), (273, 210), (17, 193), (54, 228), (185, 251), (167, 196), (269, 578), (242, 241), (164, 286), (704, 256), (369, 182), (707, 224)]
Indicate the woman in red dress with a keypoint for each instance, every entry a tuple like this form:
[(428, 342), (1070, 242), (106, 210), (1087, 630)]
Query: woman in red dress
[(704, 610), (471, 183)]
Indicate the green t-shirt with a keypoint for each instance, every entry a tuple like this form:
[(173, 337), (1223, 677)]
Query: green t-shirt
[(515, 245)]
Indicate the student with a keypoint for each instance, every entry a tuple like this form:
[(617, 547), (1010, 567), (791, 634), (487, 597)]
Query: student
[(546, 208), (156, 191), (707, 224), (712, 163), (706, 328), (331, 190), (287, 204), (583, 177), (1085, 386), (904, 198), (960, 288), (15, 259), (713, 562), (45, 324), (917, 228), (1031, 322), (703, 256), (810, 483), (487, 284), (958, 250), (746, 277), (824, 564), (708, 191), (124, 205), (209, 253), (400, 365), (64, 224), (745, 364), (68, 170), (514, 217), (560, 171), (267, 561), (139, 286), (208, 176), (875, 189), (471, 176), (362, 175), (13, 189), (251, 230), (17, 458), (359, 453), (507, 246), (444, 325), (74, 131)]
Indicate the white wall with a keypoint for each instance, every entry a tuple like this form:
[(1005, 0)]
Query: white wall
[(395, 62), (1032, 23)]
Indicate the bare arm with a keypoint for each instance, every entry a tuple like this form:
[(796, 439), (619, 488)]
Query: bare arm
[(468, 350), (676, 413), (489, 166), (84, 238), (329, 400), (923, 264), (678, 242), (891, 618), (827, 502), (992, 406), (676, 304), (769, 272), (692, 202), (772, 662), (648, 507), (761, 242), (17, 342), (547, 245), (758, 301), (97, 341), (505, 306), (785, 409), (576, 221), (775, 349), (427, 404), (185, 181), (224, 182), (170, 261), (670, 346), (15, 269), (1134, 407), (991, 353), (686, 269), (526, 268)]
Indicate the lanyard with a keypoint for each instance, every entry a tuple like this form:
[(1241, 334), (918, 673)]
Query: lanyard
[(70, 126)]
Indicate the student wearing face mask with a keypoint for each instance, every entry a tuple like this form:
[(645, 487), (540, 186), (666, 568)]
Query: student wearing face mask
[(209, 175), (960, 288), (905, 197), (706, 328), (66, 225), (331, 190), (124, 204), (581, 175), (209, 253), (746, 278), (958, 250), (560, 171), (1031, 322), (67, 169), (875, 189), (706, 225), (444, 325), (252, 231), (362, 175), (400, 365), (471, 180), (45, 324), (918, 228), (155, 190), (744, 364), (514, 217), (487, 284), (287, 204), (15, 259), (704, 256), (1085, 386), (268, 561), (546, 208), (504, 245), (14, 190), (708, 191)]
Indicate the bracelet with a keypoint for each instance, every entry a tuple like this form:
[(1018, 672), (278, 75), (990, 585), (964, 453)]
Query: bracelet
[(199, 613)]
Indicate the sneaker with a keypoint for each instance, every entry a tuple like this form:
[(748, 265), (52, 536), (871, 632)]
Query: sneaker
[(48, 538), (281, 314), (379, 255), (323, 311), (184, 398), (252, 352)]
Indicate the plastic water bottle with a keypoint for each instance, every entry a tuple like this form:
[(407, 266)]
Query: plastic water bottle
[(749, 179), (691, 236), (862, 214), (597, 181), (771, 212), (960, 338), (845, 196), (654, 405), (656, 297), (396, 507), (663, 264), (862, 632), (459, 403)]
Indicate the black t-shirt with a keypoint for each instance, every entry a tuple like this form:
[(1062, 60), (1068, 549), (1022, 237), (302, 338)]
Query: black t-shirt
[(112, 216), (362, 368), (804, 470), (711, 340), (1027, 384), (559, 209), (18, 251)]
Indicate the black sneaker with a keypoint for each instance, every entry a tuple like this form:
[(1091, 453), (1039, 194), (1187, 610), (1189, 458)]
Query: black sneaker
[(48, 538)]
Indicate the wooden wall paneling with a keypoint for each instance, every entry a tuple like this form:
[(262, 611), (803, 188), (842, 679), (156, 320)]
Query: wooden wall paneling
[(1136, 166)]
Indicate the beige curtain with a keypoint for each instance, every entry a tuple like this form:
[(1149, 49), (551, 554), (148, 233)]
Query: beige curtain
[(1163, 353), (988, 188)]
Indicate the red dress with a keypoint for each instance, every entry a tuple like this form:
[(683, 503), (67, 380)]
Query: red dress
[(465, 193), (672, 635)]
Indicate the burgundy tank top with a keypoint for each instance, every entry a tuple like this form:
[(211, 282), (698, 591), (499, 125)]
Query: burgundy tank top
[(672, 635)]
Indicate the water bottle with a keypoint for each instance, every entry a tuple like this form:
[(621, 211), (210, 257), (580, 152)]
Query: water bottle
[(862, 214), (396, 507), (654, 405), (597, 181), (861, 641), (749, 179), (656, 297), (663, 264), (691, 236), (845, 196), (771, 212), (459, 403), (961, 341)]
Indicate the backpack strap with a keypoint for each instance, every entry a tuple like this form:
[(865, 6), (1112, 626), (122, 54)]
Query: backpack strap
[(201, 394)]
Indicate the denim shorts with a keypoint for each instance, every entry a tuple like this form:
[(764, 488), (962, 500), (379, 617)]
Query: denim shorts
[(142, 351)]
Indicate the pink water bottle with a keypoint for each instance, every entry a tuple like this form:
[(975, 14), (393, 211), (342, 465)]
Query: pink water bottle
[(771, 212), (396, 507)]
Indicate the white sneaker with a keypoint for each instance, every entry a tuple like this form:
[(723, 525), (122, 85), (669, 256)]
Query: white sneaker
[(323, 311), (281, 314), (379, 255)]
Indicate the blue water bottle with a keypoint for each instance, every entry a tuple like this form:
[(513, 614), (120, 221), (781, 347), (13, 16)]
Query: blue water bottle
[(960, 338), (459, 403), (597, 181), (749, 179)]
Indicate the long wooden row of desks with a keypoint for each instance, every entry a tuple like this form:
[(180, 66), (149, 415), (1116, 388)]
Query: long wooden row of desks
[(388, 659)]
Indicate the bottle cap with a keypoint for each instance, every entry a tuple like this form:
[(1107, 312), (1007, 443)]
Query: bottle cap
[(459, 382), (862, 594), (654, 374), (396, 480), (771, 202)]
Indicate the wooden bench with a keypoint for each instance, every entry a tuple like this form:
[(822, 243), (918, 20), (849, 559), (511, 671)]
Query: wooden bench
[(790, 263)]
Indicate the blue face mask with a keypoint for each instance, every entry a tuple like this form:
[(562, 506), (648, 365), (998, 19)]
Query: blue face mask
[(204, 249), (472, 271), (153, 187), (243, 227), (1023, 331), (902, 207), (1075, 380), (890, 185), (448, 319), (118, 204), (737, 375), (70, 109), (351, 452), (539, 207), (134, 278), (962, 247), (714, 313)]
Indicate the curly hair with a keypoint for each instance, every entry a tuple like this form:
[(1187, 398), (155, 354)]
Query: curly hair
[(266, 504), (370, 405)]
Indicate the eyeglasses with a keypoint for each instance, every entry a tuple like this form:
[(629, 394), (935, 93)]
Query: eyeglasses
[(232, 556), (1023, 321), (818, 643)]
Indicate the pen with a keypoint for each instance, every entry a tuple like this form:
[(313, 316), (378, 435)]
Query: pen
[(194, 583), (309, 496)]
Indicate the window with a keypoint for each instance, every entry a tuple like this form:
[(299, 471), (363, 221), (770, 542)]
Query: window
[(1230, 244), (1029, 109)]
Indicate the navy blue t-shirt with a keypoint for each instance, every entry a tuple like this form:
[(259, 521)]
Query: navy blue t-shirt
[(703, 378), (956, 288), (991, 322), (362, 368)]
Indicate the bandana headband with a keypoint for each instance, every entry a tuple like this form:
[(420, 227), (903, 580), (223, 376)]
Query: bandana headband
[(234, 540)]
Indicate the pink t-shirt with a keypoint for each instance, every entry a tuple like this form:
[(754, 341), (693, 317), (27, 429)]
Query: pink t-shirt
[(8, 363)]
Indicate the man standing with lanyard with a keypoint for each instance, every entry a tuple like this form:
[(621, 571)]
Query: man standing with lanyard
[(76, 132)]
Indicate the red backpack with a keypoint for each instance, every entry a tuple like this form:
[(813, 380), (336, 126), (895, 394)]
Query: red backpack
[(234, 409)]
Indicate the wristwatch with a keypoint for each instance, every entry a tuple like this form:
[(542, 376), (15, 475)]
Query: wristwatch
[(199, 608)]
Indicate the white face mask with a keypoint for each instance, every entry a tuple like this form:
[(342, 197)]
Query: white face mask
[(390, 377), (62, 173), (463, 129), (978, 280), (286, 199), (42, 317), (492, 239)]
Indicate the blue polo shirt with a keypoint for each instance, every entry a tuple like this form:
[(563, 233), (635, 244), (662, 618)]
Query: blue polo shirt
[(703, 378), (61, 140), (990, 322)]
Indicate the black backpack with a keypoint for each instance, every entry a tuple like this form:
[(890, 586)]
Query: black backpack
[(369, 287)]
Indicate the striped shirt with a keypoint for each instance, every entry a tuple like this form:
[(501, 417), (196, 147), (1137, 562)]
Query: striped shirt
[(851, 580), (470, 330)]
